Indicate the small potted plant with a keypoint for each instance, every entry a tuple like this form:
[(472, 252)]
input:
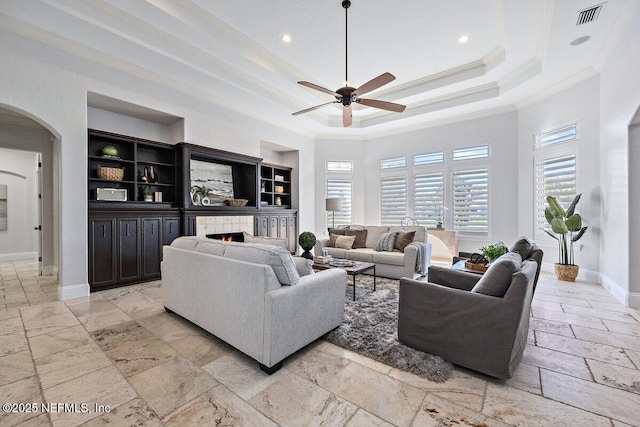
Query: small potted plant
[(203, 195), (307, 241), (494, 251), (148, 193), (566, 228)]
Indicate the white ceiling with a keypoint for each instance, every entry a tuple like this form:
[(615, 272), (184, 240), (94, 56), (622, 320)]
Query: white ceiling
[(230, 52)]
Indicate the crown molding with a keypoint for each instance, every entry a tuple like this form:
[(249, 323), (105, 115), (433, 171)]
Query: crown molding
[(521, 74), (544, 28), (554, 89), (614, 36)]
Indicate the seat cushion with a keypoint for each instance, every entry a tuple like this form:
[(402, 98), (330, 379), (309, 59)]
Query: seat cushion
[(360, 235), (523, 246), (496, 280), (279, 259), (336, 252), (389, 258), (362, 254), (403, 240), (373, 234)]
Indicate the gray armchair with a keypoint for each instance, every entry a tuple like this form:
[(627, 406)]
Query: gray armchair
[(479, 322)]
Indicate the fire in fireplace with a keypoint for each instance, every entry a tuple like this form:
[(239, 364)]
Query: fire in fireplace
[(227, 237)]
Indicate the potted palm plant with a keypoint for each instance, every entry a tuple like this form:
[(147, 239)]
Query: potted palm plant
[(566, 228)]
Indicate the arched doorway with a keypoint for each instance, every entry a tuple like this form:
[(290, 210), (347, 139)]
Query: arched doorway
[(20, 133)]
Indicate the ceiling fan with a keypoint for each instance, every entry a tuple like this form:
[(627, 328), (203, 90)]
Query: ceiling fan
[(347, 94)]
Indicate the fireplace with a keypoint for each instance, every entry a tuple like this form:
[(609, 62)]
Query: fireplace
[(227, 237)]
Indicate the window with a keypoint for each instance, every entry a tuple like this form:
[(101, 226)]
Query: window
[(398, 162), (556, 136), (469, 153), (555, 176), (339, 166), (393, 199), (471, 200), (428, 191), (428, 158), (340, 188)]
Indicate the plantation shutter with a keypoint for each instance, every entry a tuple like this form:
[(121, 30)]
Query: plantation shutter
[(340, 188), (393, 199), (554, 177), (429, 198), (471, 200)]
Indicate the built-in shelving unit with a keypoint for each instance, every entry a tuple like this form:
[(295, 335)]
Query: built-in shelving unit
[(275, 186)]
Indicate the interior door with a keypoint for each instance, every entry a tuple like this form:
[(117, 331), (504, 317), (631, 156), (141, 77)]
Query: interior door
[(39, 226)]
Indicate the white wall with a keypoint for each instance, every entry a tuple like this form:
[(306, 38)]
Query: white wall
[(18, 171), (19, 137), (131, 126), (51, 85), (577, 104), (619, 101)]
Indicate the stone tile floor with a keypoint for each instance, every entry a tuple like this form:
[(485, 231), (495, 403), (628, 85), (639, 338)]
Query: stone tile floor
[(119, 348)]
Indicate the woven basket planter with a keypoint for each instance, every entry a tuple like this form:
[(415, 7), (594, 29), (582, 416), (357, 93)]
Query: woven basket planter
[(110, 174), (567, 272)]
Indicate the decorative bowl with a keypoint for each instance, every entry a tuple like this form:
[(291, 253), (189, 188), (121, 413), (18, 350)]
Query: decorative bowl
[(236, 202)]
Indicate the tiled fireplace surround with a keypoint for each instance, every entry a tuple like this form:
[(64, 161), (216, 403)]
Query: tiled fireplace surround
[(224, 224)]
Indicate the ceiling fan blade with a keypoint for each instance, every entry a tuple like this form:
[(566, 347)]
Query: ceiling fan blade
[(347, 119), (374, 84), (320, 88), (306, 110), (383, 105)]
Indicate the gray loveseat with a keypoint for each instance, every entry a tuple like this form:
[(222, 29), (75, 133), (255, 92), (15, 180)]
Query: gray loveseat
[(252, 296), (412, 263), (479, 322)]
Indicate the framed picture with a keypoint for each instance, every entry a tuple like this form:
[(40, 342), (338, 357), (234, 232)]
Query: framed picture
[(3, 208), (216, 177)]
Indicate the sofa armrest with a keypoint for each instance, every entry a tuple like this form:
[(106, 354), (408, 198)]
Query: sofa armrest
[(299, 314), (452, 278), (320, 243)]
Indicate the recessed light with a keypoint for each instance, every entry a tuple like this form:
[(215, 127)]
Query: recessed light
[(286, 38), (463, 39), (580, 40)]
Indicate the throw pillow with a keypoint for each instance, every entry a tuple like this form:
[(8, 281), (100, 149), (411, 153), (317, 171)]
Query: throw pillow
[(360, 235), (332, 240), (404, 239), (337, 231), (345, 242), (523, 246), (273, 241), (303, 265), (387, 242), (496, 280)]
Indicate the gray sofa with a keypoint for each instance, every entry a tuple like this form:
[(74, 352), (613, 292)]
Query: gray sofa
[(479, 322), (393, 265), (256, 297)]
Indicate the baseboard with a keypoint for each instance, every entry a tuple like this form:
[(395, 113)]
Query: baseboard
[(50, 270), (19, 256), (73, 291), (630, 299)]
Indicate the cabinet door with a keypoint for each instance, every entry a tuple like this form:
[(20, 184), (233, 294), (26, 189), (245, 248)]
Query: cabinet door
[(292, 234), (128, 250), (102, 252), (273, 226), (151, 247), (282, 227), (171, 230), (262, 226)]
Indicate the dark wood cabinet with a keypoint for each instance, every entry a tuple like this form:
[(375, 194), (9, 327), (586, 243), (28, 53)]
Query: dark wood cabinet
[(170, 230), (275, 186), (151, 247), (128, 250), (102, 251), (280, 224)]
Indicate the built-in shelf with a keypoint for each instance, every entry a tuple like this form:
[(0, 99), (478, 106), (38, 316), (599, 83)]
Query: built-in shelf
[(272, 177)]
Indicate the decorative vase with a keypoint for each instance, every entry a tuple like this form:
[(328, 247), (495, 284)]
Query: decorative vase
[(145, 176), (148, 198), (439, 226), (567, 272), (153, 176), (307, 254)]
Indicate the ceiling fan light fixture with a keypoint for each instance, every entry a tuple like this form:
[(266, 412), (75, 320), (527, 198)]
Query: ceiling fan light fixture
[(346, 95)]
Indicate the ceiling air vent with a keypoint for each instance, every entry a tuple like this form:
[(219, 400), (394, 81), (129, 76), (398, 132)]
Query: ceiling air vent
[(589, 15)]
